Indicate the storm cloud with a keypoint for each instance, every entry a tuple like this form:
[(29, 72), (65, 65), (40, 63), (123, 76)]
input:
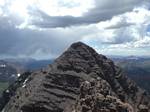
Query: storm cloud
[(103, 10), (36, 31)]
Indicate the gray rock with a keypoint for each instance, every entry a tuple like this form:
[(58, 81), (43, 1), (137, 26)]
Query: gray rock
[(80, 80)]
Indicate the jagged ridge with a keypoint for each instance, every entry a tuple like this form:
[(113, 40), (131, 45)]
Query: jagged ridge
[(56, 88)]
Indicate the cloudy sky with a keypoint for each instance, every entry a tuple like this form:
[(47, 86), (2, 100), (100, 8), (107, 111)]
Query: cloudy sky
[(45, 28)]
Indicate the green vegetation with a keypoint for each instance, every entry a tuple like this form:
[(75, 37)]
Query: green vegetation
[(3, 86)]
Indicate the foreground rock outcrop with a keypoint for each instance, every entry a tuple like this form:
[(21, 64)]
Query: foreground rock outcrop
[(80, 80), (97, 96)]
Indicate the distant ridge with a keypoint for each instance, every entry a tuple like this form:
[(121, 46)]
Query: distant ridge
[(80, 80)]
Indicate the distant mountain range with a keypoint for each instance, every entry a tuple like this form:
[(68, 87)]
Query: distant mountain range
[(137, 68), (29, 64), (8, 74), (80, 80), (11, 69)]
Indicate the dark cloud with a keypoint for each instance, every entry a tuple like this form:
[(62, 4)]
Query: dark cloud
[(15, 42), (104, 10), (121, 36), (26, 42), (53, 40), (120, 25)]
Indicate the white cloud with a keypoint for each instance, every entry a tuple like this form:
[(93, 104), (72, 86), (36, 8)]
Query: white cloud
[(2, 2), (23, 11), (110, 27), (63, 8), (1, 12), (50, 7), (123, 34), (80, 12)]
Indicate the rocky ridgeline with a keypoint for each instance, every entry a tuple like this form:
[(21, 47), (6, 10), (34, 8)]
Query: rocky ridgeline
[(80, 80), (97, 96)]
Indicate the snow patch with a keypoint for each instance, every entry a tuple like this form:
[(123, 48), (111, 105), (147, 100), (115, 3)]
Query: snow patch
[(7, 91), (24, 86), (24, 83), (18, 74)]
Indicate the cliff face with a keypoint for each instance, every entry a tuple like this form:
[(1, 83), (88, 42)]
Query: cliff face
[(80, 80)]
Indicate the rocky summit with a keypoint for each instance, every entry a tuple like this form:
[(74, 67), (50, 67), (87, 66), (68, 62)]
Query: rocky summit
[(80, 80)]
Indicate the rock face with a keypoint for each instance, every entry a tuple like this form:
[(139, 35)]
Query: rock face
[(10, 91), (97, 96), (80, 80)]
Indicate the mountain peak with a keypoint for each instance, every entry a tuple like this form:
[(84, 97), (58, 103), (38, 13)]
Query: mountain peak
[(79, 45), (80, 72), (76, 44), (80, 50), (80, 57)]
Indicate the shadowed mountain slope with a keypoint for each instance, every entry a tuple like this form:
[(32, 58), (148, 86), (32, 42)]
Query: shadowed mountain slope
[(80, 78)]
